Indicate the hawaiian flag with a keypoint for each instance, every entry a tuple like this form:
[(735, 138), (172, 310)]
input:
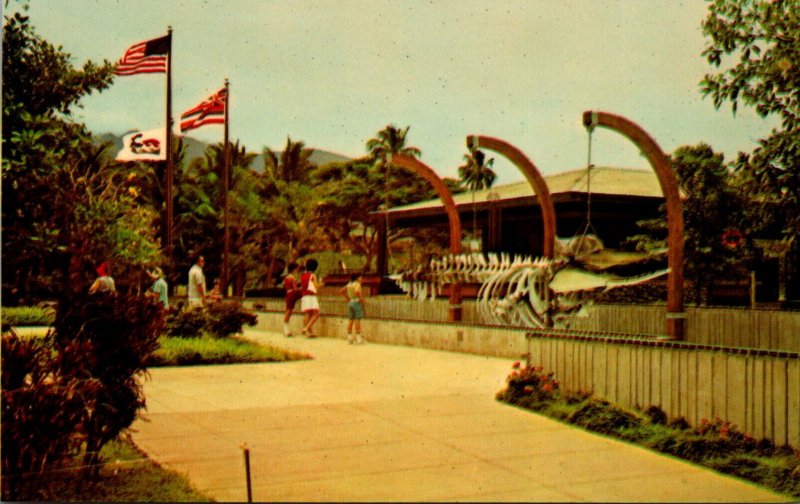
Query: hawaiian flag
[(209, 111), (149, 56)]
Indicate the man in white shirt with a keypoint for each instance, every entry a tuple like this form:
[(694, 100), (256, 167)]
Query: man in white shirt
[(197, 283)]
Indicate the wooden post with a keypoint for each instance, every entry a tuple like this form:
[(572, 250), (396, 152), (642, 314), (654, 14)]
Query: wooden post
[(246, 451), (416, 166), (676, 317), (535, 179)]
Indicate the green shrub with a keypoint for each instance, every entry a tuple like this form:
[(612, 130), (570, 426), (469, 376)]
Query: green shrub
[(28, 316), (219, 319), (602, 416), (186, 321), (227, 317), (656, 415)]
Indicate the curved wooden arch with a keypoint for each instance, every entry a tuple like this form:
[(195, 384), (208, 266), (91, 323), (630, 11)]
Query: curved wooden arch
[(676, 318), (418, 167), (535, 179)]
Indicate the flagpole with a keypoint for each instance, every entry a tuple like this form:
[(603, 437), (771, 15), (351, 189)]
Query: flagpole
[(169, 175), (226, 178)]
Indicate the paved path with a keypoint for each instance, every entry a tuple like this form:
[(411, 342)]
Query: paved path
[(388, 423)]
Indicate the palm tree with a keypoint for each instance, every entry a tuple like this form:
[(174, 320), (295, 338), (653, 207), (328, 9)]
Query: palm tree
[(292, 165), (291, 197), (389, 141), (476, 173)]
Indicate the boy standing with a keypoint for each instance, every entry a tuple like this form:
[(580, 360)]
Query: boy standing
[(355, 307)]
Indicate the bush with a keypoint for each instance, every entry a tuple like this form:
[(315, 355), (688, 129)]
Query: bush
[(602, 416), (227, 317), (186, 321), (71, 392), (28, 316), (218, 319), (107, 338), (656, 415), (530, 385), (41, 409)]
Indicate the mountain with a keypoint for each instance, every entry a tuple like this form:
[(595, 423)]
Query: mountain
[(196, 148)]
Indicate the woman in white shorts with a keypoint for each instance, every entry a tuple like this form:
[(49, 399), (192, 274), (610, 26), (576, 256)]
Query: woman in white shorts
[(309, 304)]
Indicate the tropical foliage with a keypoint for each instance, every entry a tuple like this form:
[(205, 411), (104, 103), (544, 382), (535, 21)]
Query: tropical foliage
[(755, 48), (714, 213), (476, 173)]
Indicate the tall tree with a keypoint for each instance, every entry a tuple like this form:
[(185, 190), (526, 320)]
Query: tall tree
[(292, 165), (291, 201), (476, 173), (755, 45), (391, 140), (43, 150), (715, 221)]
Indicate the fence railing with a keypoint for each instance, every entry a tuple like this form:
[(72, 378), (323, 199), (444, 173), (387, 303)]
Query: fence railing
[(731, 327)]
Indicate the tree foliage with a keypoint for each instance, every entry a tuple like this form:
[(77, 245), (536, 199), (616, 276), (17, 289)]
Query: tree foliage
[(755, 47), (64, 202), (715, 216), (476, 173)]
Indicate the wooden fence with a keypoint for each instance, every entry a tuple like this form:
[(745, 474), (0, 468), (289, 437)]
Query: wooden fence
[(759, 391), (730, 327)]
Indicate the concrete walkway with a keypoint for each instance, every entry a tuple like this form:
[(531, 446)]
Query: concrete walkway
[(388, 423)]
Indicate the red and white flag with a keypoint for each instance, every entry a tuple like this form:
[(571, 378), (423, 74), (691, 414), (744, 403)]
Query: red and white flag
[(148, 145), (209, 111), (149, 56)]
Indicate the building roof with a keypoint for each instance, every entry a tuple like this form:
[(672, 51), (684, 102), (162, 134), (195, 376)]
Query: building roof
[(603, 180)]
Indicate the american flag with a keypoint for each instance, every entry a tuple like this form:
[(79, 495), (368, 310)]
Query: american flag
[(149, 56), (209, 111)]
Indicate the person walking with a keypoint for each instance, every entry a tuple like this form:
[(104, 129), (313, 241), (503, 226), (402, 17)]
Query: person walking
[(159, 289), (103, 283), (293, 294), (355, 307), (309, 285), (197, 283)]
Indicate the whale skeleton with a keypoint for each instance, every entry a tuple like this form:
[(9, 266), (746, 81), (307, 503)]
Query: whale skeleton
[(529, 291)]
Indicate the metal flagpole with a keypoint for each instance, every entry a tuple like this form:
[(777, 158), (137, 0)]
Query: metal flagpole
[(225, 188), (169, 175)]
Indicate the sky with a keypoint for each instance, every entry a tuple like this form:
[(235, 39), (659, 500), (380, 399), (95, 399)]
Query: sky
[(332, 73)]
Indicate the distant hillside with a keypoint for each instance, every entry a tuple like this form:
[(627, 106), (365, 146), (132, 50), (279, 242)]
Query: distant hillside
[(196, 148)]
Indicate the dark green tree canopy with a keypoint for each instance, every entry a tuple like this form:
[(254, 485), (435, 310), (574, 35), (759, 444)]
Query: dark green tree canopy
[(714, 211), (755, 45), (38, 78)]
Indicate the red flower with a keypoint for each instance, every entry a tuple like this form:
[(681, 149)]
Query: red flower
[(528, 389), (732, 238), (516, 365)]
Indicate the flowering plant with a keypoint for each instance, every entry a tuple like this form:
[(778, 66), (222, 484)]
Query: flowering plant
[(531, 380), (723, 429)]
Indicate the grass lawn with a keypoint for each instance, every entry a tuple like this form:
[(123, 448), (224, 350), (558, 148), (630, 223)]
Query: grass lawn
[(126, 476), (208, 350)]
